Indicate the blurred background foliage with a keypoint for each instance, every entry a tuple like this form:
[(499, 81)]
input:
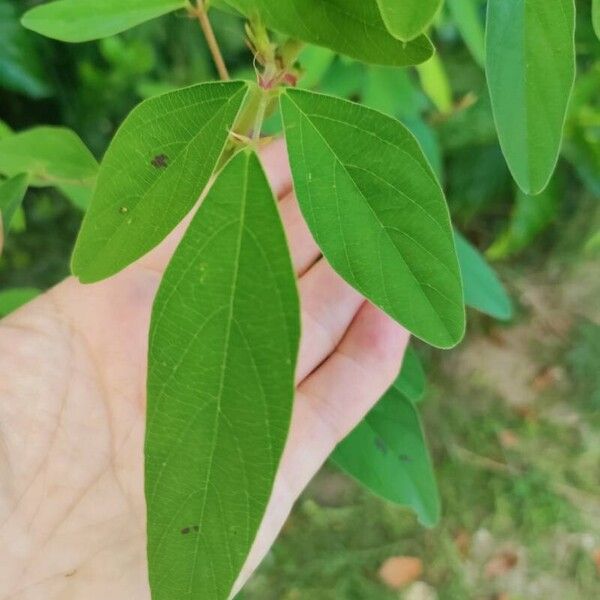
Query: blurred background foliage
[(512, 415)]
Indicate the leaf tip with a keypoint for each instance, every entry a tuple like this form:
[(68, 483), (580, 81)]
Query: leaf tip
[(30, 21)]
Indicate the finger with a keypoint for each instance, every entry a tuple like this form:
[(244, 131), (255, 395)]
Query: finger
[(303, 248), (328, 405), (328, 306), (357, 374), (274, 159)]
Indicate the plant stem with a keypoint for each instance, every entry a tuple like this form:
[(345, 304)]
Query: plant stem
[(211, 40), (260, 117)]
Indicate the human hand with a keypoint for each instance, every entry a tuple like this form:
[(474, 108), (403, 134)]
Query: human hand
[(72, 410)]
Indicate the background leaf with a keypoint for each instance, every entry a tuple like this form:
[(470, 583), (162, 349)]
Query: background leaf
[(351, 27), (77, 21), (80, 196), (12, 192), (5, 130), (435, 84), (21, 69), (388, 454), (153, 172), (49, 155), (467, 19), (411, 381), (376, 210), (405, 19), (530, 65), (483, 289), (393, 92), (315, 62), (530, 216), (596, 17), (223, 345)]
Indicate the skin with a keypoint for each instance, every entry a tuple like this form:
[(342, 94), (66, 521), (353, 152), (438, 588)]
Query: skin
[(72, 400)]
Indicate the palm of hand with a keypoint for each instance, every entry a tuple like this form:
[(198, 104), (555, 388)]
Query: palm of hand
[(72, 400)]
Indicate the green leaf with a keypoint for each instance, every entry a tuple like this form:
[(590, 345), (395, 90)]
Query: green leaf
[(427, 136), (351, 27), (592, 245), (388, 454), (223, 345), (12, 192), (79, 196), (435, 83), (345, 78), (531, 215), (466, 17), (49, 155), (483, 289), (315, 62), (393, 92), (153, 172), (530, 65), (411, 382), (406, 19), (78, 21), (596, 17), (5, 130), (21, 69), (377, 211), (12, 299)]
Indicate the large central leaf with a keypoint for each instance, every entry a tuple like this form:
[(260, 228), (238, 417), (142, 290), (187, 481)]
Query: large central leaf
[(153, 172), (352, 27), (81, 21), (530, 65), (377, 211), (223, 345)]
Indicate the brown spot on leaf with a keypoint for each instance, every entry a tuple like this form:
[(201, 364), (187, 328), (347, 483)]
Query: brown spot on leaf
[(194, 528), (160, 161), (381, 445)]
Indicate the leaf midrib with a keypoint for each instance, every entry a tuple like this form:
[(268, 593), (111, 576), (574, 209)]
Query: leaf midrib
[(233, 295), (217, 409)]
